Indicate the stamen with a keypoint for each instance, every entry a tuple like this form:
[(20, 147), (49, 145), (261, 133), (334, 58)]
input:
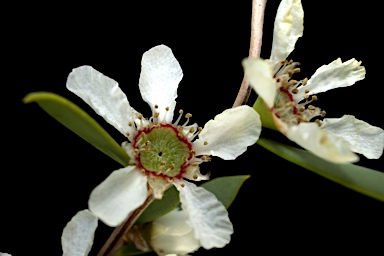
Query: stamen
[(188, 115), (178, 119)]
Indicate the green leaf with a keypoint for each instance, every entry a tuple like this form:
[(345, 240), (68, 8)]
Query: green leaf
[(265, 115), (160, 207), (78, 121), (361, 179), (225, 188)]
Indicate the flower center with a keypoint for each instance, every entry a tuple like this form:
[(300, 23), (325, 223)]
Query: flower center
[(291, 103), (162, 150)]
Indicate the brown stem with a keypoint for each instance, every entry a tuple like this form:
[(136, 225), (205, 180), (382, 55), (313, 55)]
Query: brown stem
[(116, 240), (258, 7)]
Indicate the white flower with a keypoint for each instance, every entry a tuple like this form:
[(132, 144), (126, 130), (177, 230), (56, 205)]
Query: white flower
[(163, 152), (77, 237), (170, 234), (334, 139)]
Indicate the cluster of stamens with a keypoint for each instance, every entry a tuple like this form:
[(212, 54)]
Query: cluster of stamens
[(162, 149), (290, 110)]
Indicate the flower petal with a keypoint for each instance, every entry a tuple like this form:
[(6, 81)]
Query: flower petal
[(229, 134), (260, 75), (159, 78), (321, 143), (4, 254), (288, 28), (77, 237), (206, 215), (171, 234), (334, 75), (104, 95), (118, 195), (363, 138)]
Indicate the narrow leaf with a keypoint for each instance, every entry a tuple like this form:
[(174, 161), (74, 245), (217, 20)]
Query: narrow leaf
[(361, 179), (225, 188), (160, 207), (78, 121)]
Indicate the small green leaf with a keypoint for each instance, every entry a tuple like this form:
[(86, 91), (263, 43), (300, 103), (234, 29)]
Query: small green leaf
[(160, 207), (225, 188), (361, 179), (78, 121), (265, 115)]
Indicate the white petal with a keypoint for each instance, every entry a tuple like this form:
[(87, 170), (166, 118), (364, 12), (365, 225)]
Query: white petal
[(230, 133), (104, 95), (4, 254), (288, 28), (77, 237), (118, 195), (171, 234), (206, 215), (260, 75), (321, 143), (159, 78), (363, 138), (334, 75)]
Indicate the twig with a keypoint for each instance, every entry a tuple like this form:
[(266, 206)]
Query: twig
[(116, 240), (258, 7)]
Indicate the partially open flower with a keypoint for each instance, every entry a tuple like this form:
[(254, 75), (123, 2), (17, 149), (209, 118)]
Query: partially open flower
[(290, 101), (170, 234), (164, 152)]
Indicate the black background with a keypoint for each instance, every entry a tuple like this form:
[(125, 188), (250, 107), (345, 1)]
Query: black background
[(48, 172)]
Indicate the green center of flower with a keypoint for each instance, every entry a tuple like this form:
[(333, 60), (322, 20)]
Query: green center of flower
[(163, 150)]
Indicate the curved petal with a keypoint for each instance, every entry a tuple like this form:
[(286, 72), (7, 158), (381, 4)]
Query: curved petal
[(260, 75), (171, 234), (288, 28), (229, 134), (104, 95), (6, 254), (362, 137), (118, 195), (77, 237), (206, 215), (334, 75), (321, 143), (159, 78)]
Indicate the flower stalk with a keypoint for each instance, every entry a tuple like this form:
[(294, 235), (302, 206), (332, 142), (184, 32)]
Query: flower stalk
[(257, 19)]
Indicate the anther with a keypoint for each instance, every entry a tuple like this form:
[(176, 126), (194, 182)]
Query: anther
[(310, 107), (130, 124), (205, 143), (318, 122), (301, 109), (167, 109), (192, 130), (323, 113), (305, 81), (182, 185), (156, 115), (294, 91), (172, 166), (307, 91), (195, 177), (156, 106), (314, 97), (188, 115)]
